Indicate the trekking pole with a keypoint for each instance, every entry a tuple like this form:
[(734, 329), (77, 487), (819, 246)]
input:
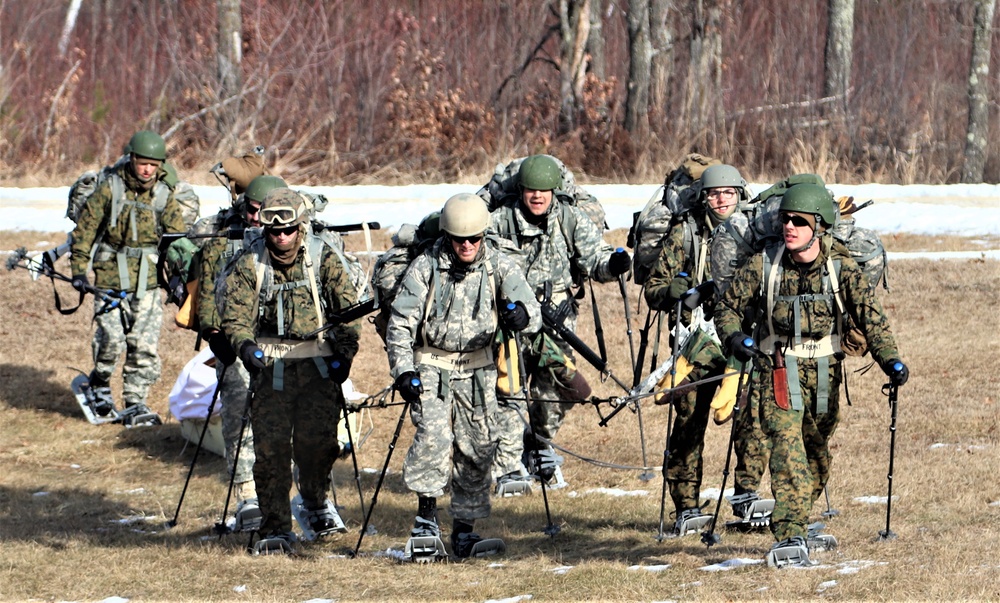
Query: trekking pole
[(830, 512), (220, 527), (710, 537), (660, 536), (643, 344), (197, 450), (893, 391), (550, 529), (645, 475), (354, 460), (381, 477)]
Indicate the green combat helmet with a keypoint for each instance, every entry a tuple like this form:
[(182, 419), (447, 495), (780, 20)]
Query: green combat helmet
[(148, 144), (464, 215), (260, 186), (540, 173), (811, 199)]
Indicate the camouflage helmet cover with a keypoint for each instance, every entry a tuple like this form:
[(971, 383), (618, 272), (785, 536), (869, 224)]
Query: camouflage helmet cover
[(810, 199), (149, 144), (464, 215), (283, 207), (540, 173)]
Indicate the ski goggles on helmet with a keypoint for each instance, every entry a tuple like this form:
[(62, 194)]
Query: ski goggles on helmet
[(281, 215)]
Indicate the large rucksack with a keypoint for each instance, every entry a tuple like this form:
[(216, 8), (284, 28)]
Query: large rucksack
[(670, 204), (407, 243), (505, 184)]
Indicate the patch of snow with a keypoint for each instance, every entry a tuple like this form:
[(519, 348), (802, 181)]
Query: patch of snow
[(561, 570), (494, 565), (692, 584), (74, 466), (134, 491), (134, 519), (88, 441), (713, 493), (825, 585), (616, 492), (650, 568), (392, 553), (114, 600), (242, 588), (995, 503), (40, 494), (873, 500), (853, 567), (514, 599), (731, 564), (319, 601)]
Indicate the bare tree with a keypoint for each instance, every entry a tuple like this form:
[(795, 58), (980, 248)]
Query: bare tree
[(703, 92), (595, 41), (839, 49), (640, 61), (661, 34), (574, 27), (229, 56), (979, 71)]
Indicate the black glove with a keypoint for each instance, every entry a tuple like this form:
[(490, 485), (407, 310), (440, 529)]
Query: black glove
[(679, 286), (619, 262), (80, 283), (220, 346), (743, 347), (896, 371), (513, 317), (408, 385), (252, 357), (339, 367)]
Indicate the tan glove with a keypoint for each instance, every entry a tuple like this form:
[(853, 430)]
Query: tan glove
[(683, 368), (724, 401)]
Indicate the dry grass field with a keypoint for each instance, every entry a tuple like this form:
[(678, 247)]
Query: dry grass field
[(82, 507)]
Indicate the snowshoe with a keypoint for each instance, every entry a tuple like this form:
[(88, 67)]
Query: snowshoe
[(754, 512), (96, 403), (248, 516), (545, 465), (424, 545), (514, 483), (139, 415), (789, 552), (691, 521), (467, 545), (817, 541), (281, 543), (316, 523)]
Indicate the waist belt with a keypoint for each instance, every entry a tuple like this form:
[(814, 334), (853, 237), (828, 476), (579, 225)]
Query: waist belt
[(806, 348), (825, 351), (293, 349), (454, 361)]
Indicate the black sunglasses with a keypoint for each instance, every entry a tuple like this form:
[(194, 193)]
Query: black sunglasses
[(473, 239), (796, 220), (283, 231)]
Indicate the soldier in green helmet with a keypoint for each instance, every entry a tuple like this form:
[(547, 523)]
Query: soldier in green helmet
[(122, 222), (798, 292)]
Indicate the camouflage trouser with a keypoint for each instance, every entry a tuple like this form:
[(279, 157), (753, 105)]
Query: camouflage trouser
[(510, 436), (455, 439), (800, 453), (233, 396), (142, 361), (687, 440), (300, 424), (752, 448)]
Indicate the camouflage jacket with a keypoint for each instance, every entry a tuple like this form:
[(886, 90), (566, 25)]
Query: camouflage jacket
[(216, 252), (548, 254), (137, 227), (242, 321), (817, 317), (675, 257), (461, 316)]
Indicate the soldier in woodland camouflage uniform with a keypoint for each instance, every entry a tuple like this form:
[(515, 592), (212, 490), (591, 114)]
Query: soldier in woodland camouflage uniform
[(297, 381), (804, 320), (234, 378), (439, 340), (683, 264), (556, 239), (124, 219)]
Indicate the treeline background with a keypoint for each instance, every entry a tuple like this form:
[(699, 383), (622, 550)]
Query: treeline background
[(425, 91)]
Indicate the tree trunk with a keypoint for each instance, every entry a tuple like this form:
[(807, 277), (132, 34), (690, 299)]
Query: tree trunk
[(574, 25), (979, 71), (839, 50), (228, 58), (662, 36), (703, 91), (640, 58), (595, 41)]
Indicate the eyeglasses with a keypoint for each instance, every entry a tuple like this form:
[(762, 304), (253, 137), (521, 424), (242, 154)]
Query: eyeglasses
[(288, 230), (282, 214), (473, 239), (795, 219), (721, 192), (252, 209)]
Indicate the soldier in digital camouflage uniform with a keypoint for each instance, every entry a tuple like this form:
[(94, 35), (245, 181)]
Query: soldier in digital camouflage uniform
[(441, 331), (684, 263), (233, 377), (556, 239), (803, 321), (298, 397), (124, 219)]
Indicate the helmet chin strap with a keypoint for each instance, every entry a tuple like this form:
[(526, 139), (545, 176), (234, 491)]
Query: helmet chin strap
[(815, 237)]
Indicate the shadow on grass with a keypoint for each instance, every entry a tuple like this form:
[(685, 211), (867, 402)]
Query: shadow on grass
[(31, 387)]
